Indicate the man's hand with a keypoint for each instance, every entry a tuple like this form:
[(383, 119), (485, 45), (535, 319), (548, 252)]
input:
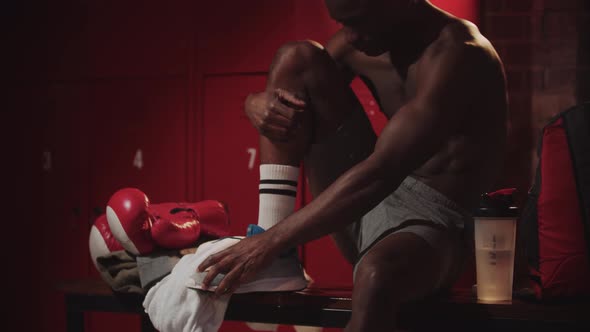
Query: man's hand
[(240, 262), (274, 113)]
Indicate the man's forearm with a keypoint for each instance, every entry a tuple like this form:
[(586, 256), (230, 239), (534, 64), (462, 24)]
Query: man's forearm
[(349, 198)]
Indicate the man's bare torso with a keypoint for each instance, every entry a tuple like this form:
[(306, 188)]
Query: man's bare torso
[(468, 163)]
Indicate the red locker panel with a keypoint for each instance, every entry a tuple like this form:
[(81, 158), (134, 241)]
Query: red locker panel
[(138, 134), (312, 21), (139, 38), (230, 148), (67, 39), (370, 105), (28, 37), (242, 36), (138, 139), (64, 206), (18, 198), (230, 154), (467, 9)]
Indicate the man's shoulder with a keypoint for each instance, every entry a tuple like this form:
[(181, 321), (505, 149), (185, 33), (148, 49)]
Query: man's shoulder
[(460, 44), (461, 40), (346, 55)]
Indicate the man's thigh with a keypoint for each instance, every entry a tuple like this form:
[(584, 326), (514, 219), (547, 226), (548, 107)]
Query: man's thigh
[(410, 263)]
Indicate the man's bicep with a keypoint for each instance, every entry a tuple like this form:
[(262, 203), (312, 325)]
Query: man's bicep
[(410, 138), (420, 128)]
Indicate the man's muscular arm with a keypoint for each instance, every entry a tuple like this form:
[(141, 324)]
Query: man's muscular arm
[(273, 112), (445, 84)]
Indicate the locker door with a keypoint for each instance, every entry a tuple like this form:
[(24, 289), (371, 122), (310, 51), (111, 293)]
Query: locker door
[(64, 213), (378, 120), (230, 148), (230, 154), (312, 21), (242, 36), (138, 38), (467, 9), (67, 40), (138, 139)]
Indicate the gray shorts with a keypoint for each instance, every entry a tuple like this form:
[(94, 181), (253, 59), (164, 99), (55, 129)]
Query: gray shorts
[(419, 209), (414, 207)]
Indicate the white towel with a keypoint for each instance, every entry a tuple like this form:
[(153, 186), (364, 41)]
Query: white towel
[(173, 307)]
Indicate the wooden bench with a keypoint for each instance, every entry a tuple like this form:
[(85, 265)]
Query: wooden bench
[(459, 311)]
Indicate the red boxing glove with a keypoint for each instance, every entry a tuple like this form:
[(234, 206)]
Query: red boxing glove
[(101, 241), (139, 226), (179, 225), (213, 216), (174, 225), (127, 214)]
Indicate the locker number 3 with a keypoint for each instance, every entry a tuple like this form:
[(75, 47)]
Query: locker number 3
[(138, 160), (252, 153)]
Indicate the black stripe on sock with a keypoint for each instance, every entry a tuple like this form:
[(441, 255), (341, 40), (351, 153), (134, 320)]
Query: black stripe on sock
[(278, 192), (287, 182)]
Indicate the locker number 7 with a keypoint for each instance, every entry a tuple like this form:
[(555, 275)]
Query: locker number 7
[(252, 153)]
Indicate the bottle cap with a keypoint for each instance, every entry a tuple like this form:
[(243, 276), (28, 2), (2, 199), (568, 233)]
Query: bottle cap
[(498, 204)]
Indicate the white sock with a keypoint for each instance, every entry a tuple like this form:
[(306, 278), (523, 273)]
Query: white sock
[(278, 190)]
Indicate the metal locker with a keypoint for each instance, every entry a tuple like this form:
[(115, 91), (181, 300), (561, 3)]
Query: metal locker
[(242, 36), (135, 39), (64, 208), (229, 149), (138, 134)]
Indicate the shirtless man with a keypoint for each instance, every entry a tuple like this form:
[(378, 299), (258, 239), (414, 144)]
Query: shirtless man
[(396, 205)]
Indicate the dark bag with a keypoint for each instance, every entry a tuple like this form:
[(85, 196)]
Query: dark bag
[(554, 228)]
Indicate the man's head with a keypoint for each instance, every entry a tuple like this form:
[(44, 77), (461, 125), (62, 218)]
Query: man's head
[(371, 24)]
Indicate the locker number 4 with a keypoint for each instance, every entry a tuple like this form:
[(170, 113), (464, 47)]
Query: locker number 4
[(138, 160)]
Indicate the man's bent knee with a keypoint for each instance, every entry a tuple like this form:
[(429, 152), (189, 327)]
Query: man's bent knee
[(378, 277), (305, 51), (298, 56), (403, 264)]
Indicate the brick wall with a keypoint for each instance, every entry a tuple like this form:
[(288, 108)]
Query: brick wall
[(545, 47)]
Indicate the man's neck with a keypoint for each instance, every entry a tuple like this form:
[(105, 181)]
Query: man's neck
[(423, 27)]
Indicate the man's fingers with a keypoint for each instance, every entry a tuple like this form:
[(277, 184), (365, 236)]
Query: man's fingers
[(289, 113), (212, 272), (290, 98), (229, 283), (209, 261), (278, 115)]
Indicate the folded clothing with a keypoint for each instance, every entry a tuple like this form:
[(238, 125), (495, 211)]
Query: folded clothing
[(154, 267), (119, 270)]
